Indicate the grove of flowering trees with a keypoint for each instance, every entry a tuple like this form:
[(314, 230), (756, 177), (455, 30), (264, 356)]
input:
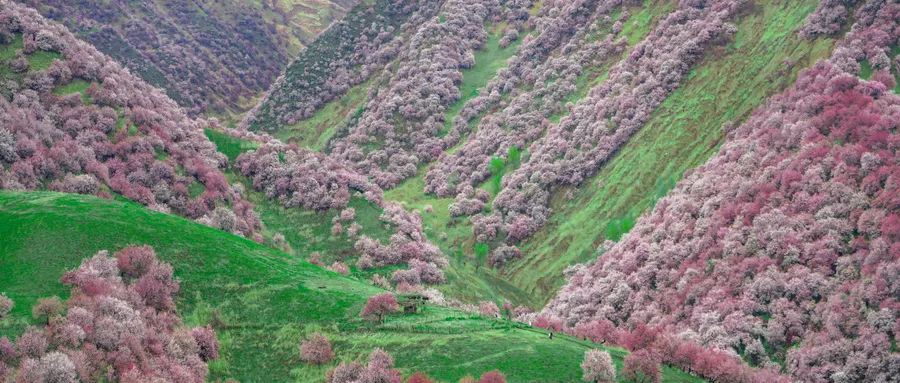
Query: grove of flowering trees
[(117, 326), (205, 58), (562, 25), (599, 124), (783, 247), (829, 17), (6, 305), (399, 128), (302, 178), (379, 369), (348, 53), (121, 136)]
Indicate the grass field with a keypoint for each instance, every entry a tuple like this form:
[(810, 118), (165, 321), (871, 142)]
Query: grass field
[(683, 133), (76, 86), (265, 301), (230, 146), (488, 60)]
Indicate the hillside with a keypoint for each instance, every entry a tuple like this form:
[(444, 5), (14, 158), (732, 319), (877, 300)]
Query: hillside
[(212, 57), (344, 56), (703, 185), (764, 58), (542, 130), (74, 120), (262, 302), (500, 103), (782, 247)]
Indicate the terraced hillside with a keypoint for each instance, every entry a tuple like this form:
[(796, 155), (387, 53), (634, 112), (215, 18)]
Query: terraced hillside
[(263, 302), (213, 57)]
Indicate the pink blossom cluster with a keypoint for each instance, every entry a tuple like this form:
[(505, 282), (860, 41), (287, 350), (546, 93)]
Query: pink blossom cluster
[(303, 178), (120, 326), (572, 150), (350, 52), (399, 127), (785, 245), (204, 60), (523, 119), (420, 272), (129, 139), (828, 18), (379, 369)]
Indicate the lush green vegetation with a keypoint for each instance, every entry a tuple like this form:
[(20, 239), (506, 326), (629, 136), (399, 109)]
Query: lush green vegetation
[(8, 52), (309, 231), (229, 145), (40, 60), (683, 133), (76, 86), (263, 302), (487, 61), (466, 279)]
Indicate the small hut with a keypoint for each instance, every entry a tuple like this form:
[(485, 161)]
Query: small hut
[(412, 303)]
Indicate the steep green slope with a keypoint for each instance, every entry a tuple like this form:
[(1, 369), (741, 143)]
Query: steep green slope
[(685, 131), (736, 77), (261, 301), (454, 235)]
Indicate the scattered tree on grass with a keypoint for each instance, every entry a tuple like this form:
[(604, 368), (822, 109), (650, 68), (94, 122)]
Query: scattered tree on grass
[(316, 349), (503, 254), (641, 367), (598, 367), (488, 308), (315, 259), (111, 333), (419, 377), (380, 305), (6, 305), (340, 268), (48, 308), (378, 370), (207, 342), (492, 377)]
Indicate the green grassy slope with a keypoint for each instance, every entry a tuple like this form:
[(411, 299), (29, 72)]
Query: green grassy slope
[(735, 78), (465, 280), (684, 132), (262, 302)]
